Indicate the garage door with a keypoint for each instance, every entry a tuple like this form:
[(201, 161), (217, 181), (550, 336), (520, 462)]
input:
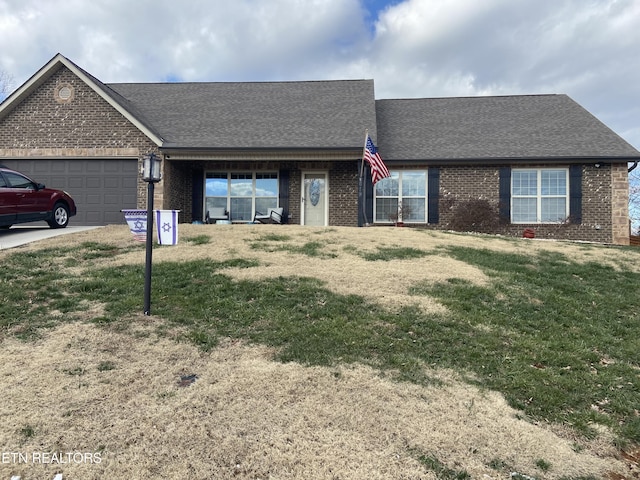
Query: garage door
[(100, 187)]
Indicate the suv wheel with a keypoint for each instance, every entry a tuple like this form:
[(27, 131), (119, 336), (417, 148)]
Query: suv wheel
[(60, 217)]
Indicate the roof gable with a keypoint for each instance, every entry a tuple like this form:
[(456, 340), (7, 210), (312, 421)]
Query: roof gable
[(504, 127), (111, 97)]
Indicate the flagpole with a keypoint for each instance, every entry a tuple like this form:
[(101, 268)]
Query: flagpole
[(361, 182)]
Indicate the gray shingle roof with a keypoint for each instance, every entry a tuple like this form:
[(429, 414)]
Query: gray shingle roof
[(316, 114), (524, 126), (335, 114), (116, 97)]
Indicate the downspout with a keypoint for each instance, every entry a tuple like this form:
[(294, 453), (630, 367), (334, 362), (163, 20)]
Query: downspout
[(632, 167)]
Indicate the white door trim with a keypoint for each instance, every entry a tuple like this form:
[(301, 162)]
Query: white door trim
[(304, 173)]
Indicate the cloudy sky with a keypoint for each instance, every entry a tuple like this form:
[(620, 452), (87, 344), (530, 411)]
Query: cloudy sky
[(588, 49)]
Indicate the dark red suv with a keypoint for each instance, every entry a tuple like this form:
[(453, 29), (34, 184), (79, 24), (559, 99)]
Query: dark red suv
[(23, 200)]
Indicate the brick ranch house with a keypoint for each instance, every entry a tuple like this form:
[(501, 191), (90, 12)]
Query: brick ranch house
[(537, 161)]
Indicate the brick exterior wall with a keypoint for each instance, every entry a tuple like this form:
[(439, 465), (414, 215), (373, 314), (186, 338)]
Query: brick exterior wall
[(604, 202), (343, 198), (343, 191), (602, 189), (84, 125), (178, 188), (81, 124), (466, 183)]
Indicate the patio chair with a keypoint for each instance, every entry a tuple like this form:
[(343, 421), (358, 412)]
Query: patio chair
[(273, 215), (215, 214)]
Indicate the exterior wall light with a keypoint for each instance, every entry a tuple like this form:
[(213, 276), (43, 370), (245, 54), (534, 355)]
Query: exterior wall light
[(151, 168)]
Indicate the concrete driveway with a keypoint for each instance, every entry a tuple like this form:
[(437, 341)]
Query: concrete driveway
[(23, 234)]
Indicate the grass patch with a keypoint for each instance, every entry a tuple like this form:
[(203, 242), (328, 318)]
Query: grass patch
[(198, 239), (543, 465), (275, 242), (28, 431), (75, 372), (273, 237), (552, 335), (557, 337), (441, 471), (389, 254), (106, 366)]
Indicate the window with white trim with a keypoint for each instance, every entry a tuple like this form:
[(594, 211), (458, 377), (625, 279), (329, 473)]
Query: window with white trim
[(539, 195), (401, 197), (241, 194)]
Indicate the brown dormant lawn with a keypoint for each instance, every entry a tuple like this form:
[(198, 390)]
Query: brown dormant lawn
[(90, 402)]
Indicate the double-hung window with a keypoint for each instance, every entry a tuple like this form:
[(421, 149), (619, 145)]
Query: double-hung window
[(242, 194), (539, 195), (402, 197)]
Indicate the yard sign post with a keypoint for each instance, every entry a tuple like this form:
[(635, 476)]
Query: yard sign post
[(151, 174)]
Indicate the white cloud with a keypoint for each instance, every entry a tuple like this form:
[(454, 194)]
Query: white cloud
[(412, 48), (586, 49)]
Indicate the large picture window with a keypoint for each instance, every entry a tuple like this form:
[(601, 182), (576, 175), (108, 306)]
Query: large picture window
[(241, 194), (539, 195), (402, 197)]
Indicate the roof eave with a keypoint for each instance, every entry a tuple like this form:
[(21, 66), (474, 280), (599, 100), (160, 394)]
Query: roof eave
[(514, 160), (266, 152)]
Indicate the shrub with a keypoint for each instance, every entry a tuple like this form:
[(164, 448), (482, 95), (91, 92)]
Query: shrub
[(475, 215)]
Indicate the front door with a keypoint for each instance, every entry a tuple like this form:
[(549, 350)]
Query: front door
[(315, 194)]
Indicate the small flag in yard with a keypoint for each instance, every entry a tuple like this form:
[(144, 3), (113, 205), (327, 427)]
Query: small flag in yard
[(167, 226), (378, 168), (137, 221)]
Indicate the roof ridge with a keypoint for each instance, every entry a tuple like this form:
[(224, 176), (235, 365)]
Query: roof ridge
[(239, 82), (474, 97)]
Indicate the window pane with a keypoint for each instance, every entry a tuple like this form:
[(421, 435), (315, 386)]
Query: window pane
[(386, 209), (414, 184), (553, 182), (266, 185), (241, 209), (241, 185), (413, 209), (524, 210), (18, 181), (217, 185), (263, 204), (524, 182), (388, 187), (554, 210), (216, 202)]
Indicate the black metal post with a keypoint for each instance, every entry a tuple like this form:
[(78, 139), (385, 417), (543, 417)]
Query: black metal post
[(147, 275)]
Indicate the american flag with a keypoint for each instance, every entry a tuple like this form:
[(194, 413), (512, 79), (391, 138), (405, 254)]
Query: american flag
[(378, 168)]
